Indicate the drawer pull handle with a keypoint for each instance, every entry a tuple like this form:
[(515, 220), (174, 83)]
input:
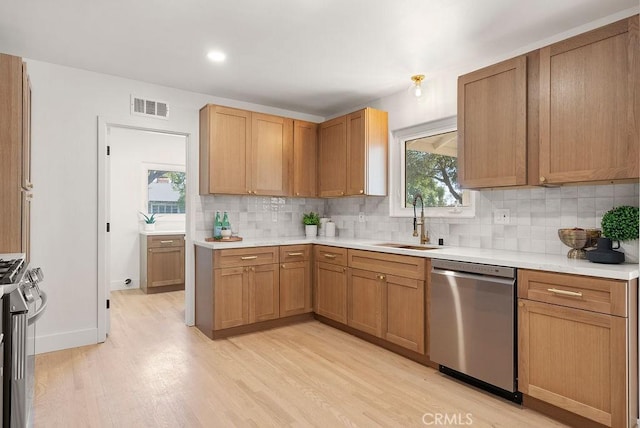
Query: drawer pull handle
[(249, 257), (565, 292), (295, 254), (330, 256), (166, 242)]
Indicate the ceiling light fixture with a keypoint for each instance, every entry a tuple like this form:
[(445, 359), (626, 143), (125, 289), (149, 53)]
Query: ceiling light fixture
[(216, 56), (416, 88)]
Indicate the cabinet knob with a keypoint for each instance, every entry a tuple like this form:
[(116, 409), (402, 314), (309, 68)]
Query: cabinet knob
[(297, 193), (282, 266), (341, 193), (29, 185), (361, 192), (520, 304), (543, 179), (344, 269), (249, 191)]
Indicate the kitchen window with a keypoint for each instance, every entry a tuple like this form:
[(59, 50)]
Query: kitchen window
[(424, 160)]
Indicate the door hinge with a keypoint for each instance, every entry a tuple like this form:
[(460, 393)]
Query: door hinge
[(108, 150), (108, 303), (108, 227)]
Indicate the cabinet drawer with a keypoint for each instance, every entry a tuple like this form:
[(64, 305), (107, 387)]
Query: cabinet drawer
[(333, 255), (294, 253), (607, 296), (392, 264), (245, 257), (158, 241)]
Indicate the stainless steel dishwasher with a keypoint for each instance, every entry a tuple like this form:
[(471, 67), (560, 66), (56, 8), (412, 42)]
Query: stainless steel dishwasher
[(473, 324)]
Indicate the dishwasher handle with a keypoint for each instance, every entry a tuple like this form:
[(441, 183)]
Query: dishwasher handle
[(473, 276)]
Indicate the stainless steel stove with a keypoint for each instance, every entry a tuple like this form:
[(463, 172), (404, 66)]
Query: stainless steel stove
[(23, 303)]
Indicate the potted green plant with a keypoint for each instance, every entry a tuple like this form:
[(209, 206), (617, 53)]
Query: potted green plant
[(311, 221), (619, 224), (149, 221)]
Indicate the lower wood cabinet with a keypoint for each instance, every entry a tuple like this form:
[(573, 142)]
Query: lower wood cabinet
[(331, 291), (364, 301), (161, 263), (388, 306), (578, 345), (295, 280)]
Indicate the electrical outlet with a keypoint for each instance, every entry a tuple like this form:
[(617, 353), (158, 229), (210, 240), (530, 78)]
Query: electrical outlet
[(361, 217), (502, 216)]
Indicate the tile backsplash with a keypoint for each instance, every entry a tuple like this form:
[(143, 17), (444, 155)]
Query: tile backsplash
[(536, 214)]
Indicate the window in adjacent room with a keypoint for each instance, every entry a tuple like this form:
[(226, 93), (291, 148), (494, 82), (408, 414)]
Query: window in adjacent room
[(165, 191)]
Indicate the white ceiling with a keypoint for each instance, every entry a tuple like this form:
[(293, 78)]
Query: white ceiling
[(312, 56)]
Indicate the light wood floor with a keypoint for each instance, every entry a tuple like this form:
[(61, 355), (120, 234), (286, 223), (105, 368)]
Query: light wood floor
[(153, 371)]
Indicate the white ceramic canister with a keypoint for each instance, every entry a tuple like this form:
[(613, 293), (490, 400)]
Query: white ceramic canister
[(323, 221), (330, 229)]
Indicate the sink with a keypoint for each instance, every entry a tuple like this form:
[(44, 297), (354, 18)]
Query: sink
[(406, 246)]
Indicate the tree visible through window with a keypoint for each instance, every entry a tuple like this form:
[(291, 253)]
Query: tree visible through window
[(166, 192), (431, 168)]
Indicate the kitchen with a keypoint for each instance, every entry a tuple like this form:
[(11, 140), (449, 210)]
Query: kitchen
[(66, 102)]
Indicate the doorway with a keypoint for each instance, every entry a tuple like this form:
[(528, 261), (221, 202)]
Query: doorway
[(132, 156)]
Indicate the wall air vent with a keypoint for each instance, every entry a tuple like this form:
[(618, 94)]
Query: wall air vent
[(149, 108)]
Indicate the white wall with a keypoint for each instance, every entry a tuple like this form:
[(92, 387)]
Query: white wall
[(131, 151), (66, 105)]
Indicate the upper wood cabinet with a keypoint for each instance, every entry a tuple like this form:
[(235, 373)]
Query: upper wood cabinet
[(566, 113), (590, 104), (305, 157), (492, 125), (243, 152), (353, 154)]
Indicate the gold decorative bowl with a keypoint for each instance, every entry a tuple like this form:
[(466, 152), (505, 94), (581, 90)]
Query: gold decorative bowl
[(578, 239)]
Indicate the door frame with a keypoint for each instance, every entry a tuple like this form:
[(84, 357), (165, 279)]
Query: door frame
[(104, 240)]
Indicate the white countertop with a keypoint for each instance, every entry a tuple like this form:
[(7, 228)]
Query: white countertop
[(161, 232), (537, 261)]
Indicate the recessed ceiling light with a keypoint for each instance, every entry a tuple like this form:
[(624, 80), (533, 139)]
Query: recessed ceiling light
[(216, 56)]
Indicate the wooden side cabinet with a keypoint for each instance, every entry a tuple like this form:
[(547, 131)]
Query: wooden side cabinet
[(15, 156), (577, 345), (161, 263)]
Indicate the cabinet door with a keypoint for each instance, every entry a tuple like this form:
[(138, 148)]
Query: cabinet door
[(26, 129), (271, 154), (404, 312), (295, 288), (26, 223), (305, 157), (332, 154), (367, 144), (589, 106), (574, 359), (364, 297), (230, 297), (225, 138), (165, 266), (492, 125), (264, 303), (331, 291)]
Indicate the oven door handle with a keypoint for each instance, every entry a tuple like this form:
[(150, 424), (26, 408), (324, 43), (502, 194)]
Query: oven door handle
[(43, 305)]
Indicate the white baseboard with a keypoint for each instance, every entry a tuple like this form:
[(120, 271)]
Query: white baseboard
[(72, 339), (120, 285)]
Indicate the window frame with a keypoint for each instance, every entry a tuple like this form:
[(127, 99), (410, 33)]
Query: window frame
[(146, 166), (397, 170)]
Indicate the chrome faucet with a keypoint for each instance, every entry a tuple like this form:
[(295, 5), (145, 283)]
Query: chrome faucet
[(424, 236)]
